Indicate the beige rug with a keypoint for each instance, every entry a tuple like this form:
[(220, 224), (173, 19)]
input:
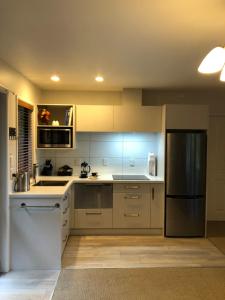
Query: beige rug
[(142, 284), (87, 252)]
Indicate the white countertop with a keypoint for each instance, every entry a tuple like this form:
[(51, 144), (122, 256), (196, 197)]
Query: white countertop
[(59, 191)]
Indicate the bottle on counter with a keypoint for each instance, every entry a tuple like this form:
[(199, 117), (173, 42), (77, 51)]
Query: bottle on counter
[(152, 164)]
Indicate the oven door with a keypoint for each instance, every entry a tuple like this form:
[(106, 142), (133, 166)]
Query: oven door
[(54, 138)]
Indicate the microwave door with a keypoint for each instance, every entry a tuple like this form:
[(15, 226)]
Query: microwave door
[(54, 138)]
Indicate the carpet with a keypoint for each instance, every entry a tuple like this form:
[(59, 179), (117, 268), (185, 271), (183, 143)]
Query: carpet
[(141, 284)]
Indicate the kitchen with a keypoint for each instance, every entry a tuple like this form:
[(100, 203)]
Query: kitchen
[(111, 132)]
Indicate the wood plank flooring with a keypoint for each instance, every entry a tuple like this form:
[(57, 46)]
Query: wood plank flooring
[(84, 252)]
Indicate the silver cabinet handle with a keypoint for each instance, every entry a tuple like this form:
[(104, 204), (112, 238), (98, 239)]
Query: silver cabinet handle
[(132, 197), (93, 213), (65, 223), (131, 215), (132, 187), (65, 198), (65, 239), (24, 205), (153, 193), (65, 211)]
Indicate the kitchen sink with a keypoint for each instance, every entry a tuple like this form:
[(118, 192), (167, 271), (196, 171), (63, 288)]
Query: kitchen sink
[(51, 183)]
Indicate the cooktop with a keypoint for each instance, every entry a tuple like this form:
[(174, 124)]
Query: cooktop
[(130, 177)]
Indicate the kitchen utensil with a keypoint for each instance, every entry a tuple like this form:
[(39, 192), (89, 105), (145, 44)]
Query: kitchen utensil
[(22, 182), (85, 169)]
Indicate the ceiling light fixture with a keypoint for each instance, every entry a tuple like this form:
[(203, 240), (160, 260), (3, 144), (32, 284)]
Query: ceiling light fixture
[(214, 62), (55, 78), (99, 78)]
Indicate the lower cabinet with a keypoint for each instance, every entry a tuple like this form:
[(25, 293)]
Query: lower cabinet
[(39, 231), (93, 218), (131, 210), (118, 205), (138, 205)]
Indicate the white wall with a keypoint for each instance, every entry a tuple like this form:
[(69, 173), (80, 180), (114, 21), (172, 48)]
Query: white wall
[(107, 153), (19, 86), (82, 97)]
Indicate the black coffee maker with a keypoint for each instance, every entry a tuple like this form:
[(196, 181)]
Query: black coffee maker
[(85, 169)]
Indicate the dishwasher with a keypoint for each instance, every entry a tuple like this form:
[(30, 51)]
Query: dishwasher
[(93, 205)]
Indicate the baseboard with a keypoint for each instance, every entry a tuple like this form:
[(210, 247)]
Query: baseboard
[(110, 231)]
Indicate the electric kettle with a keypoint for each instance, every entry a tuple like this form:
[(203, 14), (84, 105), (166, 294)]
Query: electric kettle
[(21, 182)]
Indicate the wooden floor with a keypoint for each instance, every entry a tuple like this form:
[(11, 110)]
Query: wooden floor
[(139, 252)]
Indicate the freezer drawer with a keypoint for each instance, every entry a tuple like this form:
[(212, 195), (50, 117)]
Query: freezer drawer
[(185, 217)]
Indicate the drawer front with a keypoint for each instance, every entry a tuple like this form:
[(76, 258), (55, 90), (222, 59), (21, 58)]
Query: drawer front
[(93, 218), (131, 210), (130, 187)]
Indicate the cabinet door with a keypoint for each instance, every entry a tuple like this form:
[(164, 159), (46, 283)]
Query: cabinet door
[(131, 210), (132, 118), (93, 218), (157, 206), (94, 118)]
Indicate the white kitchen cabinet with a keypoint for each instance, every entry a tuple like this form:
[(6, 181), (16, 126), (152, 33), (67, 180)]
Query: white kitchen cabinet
[(138, 205), (137, 118), (94, 118), (157, 205), (131, 210), (39, 231), (93, 218)]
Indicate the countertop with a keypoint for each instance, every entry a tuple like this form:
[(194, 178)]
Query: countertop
[(59, 191)]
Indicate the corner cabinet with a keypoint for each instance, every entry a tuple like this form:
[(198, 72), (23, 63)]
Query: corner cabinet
[(55, 126)]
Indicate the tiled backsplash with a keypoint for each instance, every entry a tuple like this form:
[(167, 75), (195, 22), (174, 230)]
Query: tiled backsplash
[(107, 153)]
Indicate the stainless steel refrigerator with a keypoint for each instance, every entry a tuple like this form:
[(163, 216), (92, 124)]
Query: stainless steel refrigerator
[(185, 183)]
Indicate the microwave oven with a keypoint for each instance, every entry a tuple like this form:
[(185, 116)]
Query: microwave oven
[(54, 137)]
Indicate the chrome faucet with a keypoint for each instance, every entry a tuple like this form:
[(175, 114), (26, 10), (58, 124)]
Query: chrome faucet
[(34, 175)]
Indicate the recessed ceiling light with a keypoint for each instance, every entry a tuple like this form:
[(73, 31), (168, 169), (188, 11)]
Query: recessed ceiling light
[(55, 78), (99, 78)]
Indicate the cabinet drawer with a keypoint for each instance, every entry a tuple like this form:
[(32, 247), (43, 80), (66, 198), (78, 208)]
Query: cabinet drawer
[(130, 187), (93, 218), (131, 210)]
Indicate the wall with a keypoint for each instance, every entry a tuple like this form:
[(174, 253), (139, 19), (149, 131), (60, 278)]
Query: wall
[(17, 85), (107, 153), (82, 97)]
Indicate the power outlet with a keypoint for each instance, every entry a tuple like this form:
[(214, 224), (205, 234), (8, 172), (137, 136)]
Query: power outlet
[(132, 163), (105, 162)]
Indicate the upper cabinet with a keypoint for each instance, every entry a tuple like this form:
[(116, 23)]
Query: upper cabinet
[(94, 118), (137, 118), (186, 116), (118, 118)]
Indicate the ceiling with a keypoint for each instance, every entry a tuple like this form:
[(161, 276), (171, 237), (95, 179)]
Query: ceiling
[(132, 43)]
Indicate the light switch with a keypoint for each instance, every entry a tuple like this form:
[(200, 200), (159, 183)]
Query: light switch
[(105, 162)]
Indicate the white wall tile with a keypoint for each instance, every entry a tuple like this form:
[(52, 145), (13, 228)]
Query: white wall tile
[(106, 149), (138, 149), (114, 165), (106, 137), (139, 167), (119, 149)]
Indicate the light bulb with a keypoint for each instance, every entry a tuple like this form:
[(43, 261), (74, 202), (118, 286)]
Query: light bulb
[(213, 62), (55, 78), (99, 78)]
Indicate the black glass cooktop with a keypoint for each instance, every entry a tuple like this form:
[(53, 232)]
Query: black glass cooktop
[(130, 177)]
